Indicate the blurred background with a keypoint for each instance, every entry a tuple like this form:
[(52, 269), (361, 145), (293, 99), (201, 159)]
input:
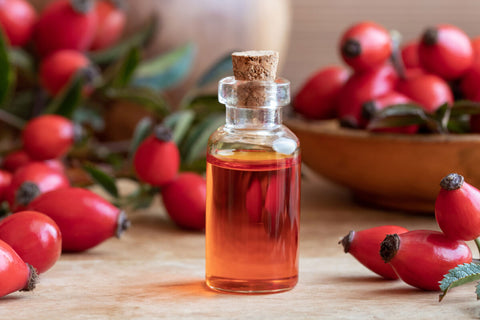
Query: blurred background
[(306, 32)]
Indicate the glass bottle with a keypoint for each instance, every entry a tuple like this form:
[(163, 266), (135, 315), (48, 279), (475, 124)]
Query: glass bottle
[(253, 191)]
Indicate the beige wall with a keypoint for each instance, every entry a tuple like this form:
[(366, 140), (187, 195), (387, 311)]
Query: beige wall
[(317, 25)]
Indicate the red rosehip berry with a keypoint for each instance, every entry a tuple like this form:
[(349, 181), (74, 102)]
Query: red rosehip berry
[(15, 160), (476, 49), (17, 20), (85, 219), (111, 24), (5, 181), (64, 24), (446, 51), (364, 246), (365, 46), (185, 199), (58, 69), (275, 204), (48, 137), (15, 274), (362, 87), (30, 181), (392, 98), (157, 158), (317, 99), (34, 236), (409, 54), (457, 208), (428, 90), (470, 83), (422, 257)]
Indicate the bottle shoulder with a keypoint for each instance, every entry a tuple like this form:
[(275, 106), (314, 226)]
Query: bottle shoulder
[(279, 139)]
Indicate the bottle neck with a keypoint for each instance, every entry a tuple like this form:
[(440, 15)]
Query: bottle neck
[(253, 118)]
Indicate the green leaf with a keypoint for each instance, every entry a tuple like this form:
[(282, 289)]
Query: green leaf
[(179, 122), (103, 179), (139, 39), (69, 98), (121, 74), (90, 117), (7, 74), (397, 116), (195, 145), (142, 130), (149, 99), (220, 69), (458, 276), (165, 70), (23, 61), (462, 107)]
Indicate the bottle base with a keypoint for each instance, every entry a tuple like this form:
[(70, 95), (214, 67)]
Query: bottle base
[(228, 285)]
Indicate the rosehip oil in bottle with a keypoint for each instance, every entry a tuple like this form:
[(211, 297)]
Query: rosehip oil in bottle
[(253, 190)]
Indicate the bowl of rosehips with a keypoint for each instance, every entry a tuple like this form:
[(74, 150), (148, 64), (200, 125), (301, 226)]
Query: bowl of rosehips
[(397, 118)]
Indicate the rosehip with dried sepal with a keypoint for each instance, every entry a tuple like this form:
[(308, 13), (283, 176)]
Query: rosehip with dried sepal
[(365, 46), (364, 245), (49, 136), (184, 199), (85, 219), (317, 99), (111, 21), (157, 159), (34, 236), (457, 208), (17, 20), (30, 181), (446, 51), (15, 274), (65, 24), (422, 257)]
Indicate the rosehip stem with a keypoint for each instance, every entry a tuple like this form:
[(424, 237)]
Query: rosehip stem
[(396, 57), (12, 120)]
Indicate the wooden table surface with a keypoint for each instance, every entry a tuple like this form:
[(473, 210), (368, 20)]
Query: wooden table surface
[(156, 271)]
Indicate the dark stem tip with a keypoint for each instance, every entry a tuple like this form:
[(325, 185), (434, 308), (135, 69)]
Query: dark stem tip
[(32, 279), (163, 133), (452, 181), (430, 37), (122, 223), (369, 109), (389, 247), (351, 48), (82, 6), (346, 241), (26, 193)]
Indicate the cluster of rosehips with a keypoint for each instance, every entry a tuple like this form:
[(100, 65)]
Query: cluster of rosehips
[(439, 67), (61, 33), (157, 163), (422, 257), (49, 216)]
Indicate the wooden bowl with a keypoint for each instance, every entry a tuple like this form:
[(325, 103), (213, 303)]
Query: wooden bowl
[(388, 170)]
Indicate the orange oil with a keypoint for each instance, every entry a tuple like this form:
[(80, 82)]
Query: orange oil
[(252, 221)]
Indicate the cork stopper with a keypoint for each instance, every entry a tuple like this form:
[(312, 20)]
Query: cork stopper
[(252, 67), (255, 65)]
